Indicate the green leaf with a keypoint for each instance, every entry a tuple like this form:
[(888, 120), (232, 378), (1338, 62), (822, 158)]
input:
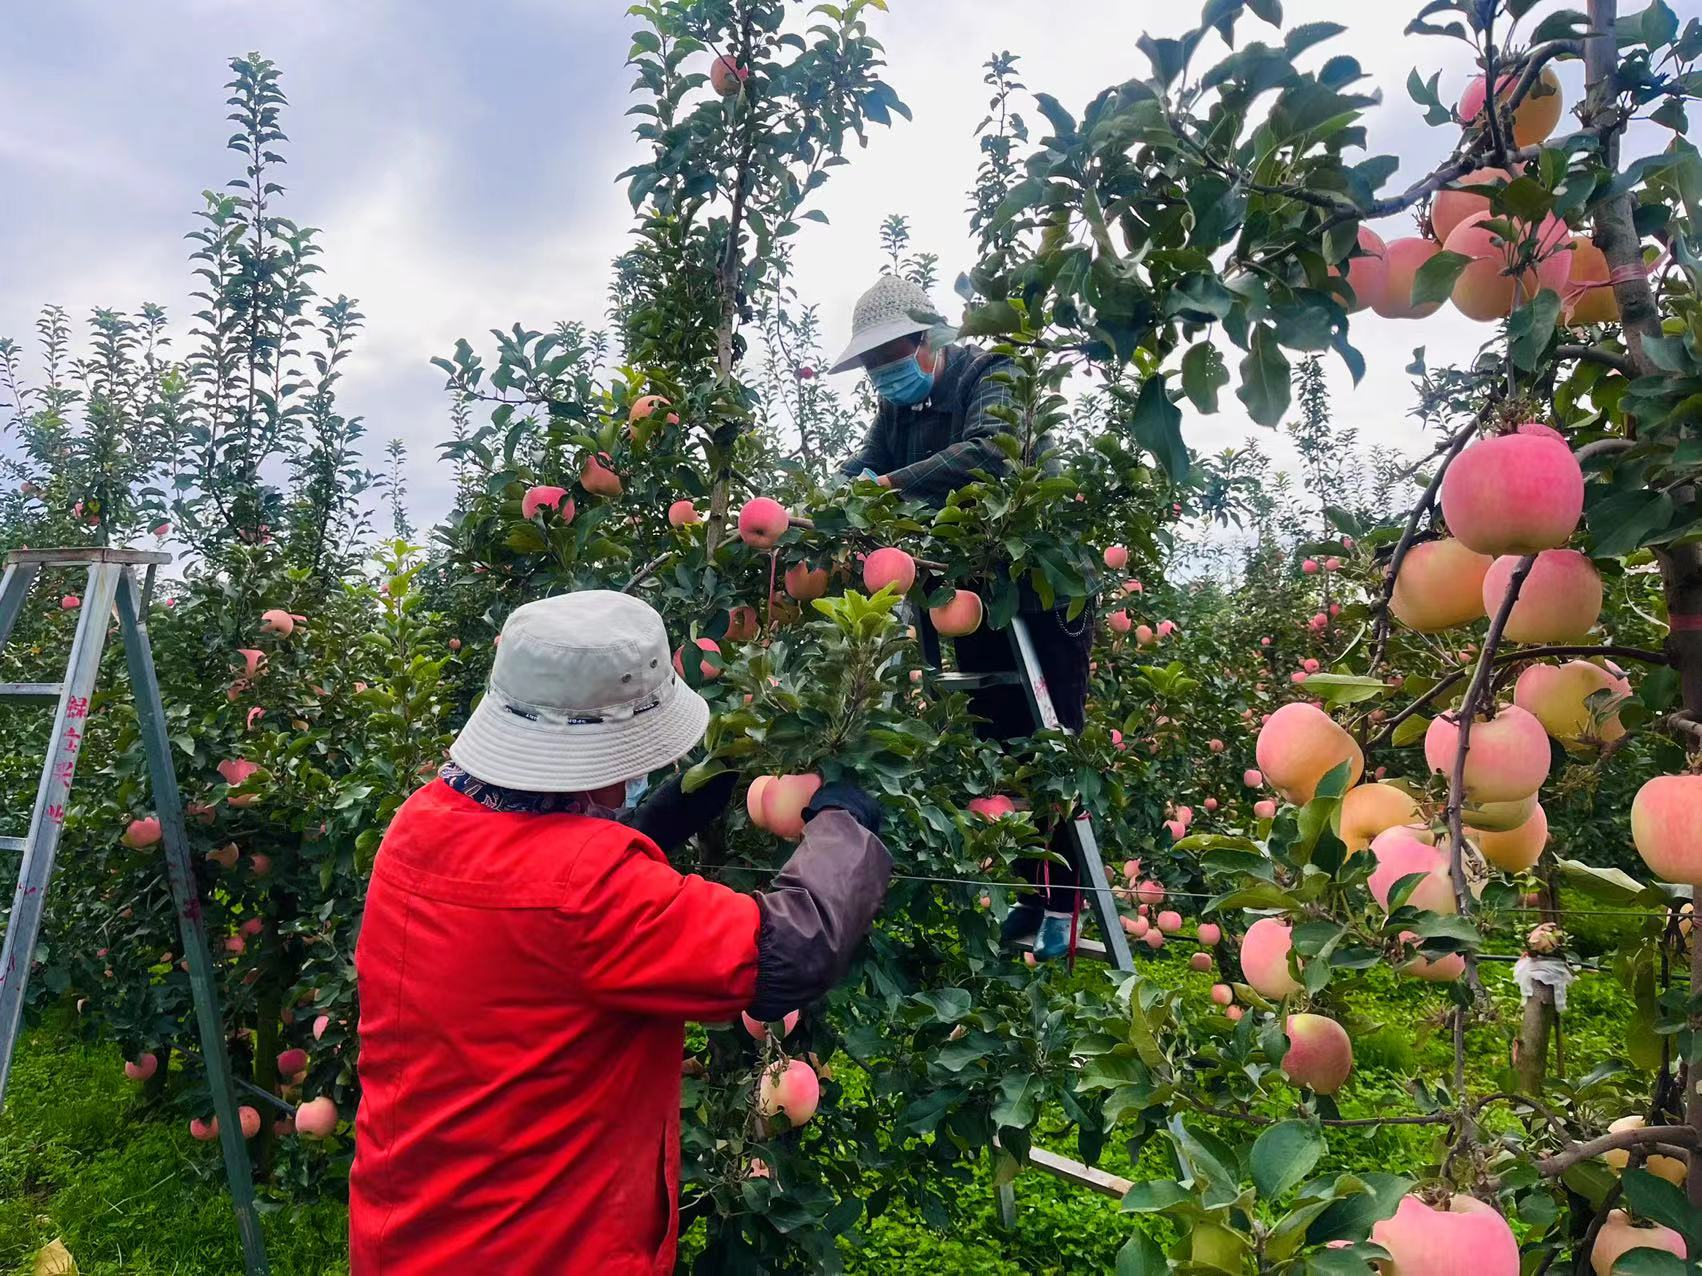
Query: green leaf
[(1341, 688), (1203, 375), (1217, 842), (1157, 424), (1351, 1261), (994, 319), (1410, 731), (1141, 1256), (1531, 327), (1659, 25), (1610, 885), (1645, 1261), (948, 1004), (1265, 385), (1203, 1154), (1019, 1101), (1628, 520), (1152, 1196), (1141, 1035), (526, 538), (1110, 1072), (1658, 1201), (1366, 1198), (1434, 280), (1526, 198), (955, 1056), (1283, 1156)]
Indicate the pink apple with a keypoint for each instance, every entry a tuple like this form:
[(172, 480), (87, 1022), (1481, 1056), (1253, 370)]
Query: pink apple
[(762, 522), (317, 1118), (1319, 1055), (790, 1089), (1264, 957), (889, 566)]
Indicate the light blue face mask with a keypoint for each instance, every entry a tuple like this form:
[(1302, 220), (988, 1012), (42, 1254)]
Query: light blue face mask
[(635, 791), (903, 381)]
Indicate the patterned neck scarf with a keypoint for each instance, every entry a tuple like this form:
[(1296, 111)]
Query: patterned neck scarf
[(520, 801)]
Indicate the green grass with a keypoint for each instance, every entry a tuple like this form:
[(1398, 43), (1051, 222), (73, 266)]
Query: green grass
[(84, 1157)]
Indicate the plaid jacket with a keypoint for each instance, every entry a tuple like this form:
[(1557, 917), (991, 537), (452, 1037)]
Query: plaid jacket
[(931, 449)]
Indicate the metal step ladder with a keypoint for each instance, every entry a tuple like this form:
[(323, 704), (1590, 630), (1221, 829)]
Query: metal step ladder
[(111, 586), (1089, 864)]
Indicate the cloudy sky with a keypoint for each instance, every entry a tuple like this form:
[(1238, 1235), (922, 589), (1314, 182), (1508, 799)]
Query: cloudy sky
[(460, 159)]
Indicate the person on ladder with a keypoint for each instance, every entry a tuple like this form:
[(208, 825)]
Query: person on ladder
[(934, 427), (527, 962)]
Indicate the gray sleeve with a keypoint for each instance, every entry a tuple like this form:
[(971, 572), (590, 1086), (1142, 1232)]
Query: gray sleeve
[(816, 913), (875, 454)]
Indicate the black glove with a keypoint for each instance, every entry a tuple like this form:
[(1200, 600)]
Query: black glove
[(670, 815), (842, 796)]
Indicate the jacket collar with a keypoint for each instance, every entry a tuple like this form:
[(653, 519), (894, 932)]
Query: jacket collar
[(519, 801)]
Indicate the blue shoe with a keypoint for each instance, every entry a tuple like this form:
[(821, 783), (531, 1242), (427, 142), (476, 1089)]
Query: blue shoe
[(1053, 939), (1021, 924)]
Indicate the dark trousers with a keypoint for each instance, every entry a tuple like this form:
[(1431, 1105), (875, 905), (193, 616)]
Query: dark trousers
[(1063, 648)]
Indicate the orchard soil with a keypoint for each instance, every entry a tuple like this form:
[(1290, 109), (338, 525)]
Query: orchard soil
[(86, 1158)]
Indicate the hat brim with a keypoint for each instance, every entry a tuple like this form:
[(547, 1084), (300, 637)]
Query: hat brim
[(505, 749), (876, 337)]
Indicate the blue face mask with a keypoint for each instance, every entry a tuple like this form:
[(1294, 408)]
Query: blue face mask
[(635, 791), (903, 381)]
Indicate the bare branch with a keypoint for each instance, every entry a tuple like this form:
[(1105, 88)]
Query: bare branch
[(1683, 721), (1620, 363), (1605, 447), (1680, 1138), (1641, 654), (1533, 61), (646, 571)]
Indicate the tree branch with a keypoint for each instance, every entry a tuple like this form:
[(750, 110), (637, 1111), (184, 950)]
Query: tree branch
[(1641, 654), (1604, 447), (1533, 61), (1680, 1138), (1683, 721), (1621, 363)]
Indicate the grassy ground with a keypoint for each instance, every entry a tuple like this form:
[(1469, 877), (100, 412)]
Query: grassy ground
[(83, 1158)]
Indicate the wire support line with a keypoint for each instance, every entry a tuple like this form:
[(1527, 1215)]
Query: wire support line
[(991, 884)]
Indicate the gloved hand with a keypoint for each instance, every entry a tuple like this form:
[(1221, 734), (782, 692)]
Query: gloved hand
[(842, 796), (670, 815)]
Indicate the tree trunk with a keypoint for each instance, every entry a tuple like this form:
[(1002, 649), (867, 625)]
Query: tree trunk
[(1531, 1062), (1681, 566)]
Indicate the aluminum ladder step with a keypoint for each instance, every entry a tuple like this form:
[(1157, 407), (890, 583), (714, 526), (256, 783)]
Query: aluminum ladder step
[(31, 690)]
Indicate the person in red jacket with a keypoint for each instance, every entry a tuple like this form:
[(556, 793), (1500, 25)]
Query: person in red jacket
[(527, 962)]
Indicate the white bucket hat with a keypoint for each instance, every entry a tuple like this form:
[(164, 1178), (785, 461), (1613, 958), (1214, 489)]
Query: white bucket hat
[(885, 313), (582, 694)]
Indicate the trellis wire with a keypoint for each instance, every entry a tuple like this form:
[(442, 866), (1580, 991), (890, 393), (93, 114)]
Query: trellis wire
[(990, 884)]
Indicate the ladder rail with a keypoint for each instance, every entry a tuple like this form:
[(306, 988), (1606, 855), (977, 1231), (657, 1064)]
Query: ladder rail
[(29, 898), (180, 875), (1090, 864)]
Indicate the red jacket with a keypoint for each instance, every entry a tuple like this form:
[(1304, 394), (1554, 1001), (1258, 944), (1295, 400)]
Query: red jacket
[(524, 985)]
